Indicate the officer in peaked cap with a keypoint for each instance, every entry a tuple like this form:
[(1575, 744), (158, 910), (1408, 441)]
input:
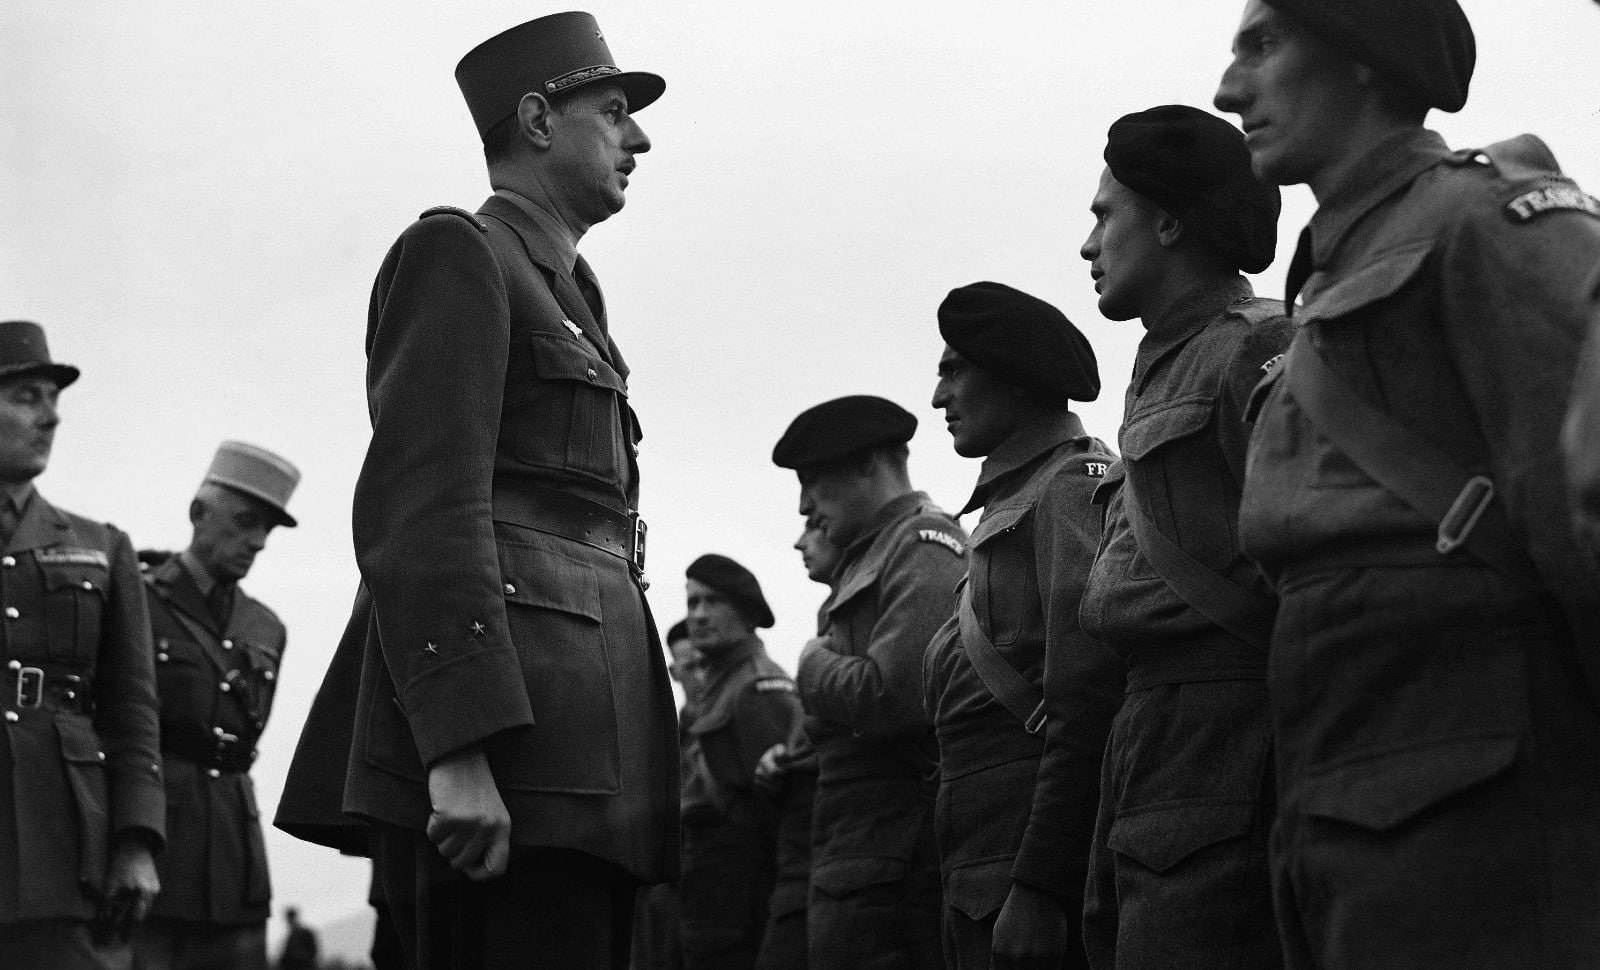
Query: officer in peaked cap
[(1019, 768), (513, 732), (1178, 217), (81, 806), (1435, 680), (874, 901), (747, 705), (217, 653)]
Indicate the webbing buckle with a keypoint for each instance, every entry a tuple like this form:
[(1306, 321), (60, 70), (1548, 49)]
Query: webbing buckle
[(1036, 721), (636, 553), (1464, 513), (30, 687)]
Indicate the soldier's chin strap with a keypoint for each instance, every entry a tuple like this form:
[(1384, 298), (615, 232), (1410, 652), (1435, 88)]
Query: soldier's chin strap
[(1299, 271)]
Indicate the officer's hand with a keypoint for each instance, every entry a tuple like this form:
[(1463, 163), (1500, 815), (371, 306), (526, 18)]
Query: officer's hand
[(1032, 931), (469, 823), (131, 887), (771, 771)]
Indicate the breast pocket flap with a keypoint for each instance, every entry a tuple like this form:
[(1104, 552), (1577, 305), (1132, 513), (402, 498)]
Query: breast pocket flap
[(1146, 432), (548, 580), (841, 877), (997, 523), (83, 576), (561, 358)]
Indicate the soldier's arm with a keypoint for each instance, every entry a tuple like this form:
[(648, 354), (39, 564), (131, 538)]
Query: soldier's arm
[(765, 717), (879, 693), (126, 709), (1255, 354), (1581, 443), (437, 349)]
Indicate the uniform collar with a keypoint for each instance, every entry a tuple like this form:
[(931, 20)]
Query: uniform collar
[(1184, 317), (554, 237), (1387, 168), (891, 511), (1022, 449), (39, 525), (203, 580), (717, 667), (19, 496)]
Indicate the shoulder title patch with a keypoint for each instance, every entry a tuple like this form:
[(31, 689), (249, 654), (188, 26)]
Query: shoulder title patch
[(767, 685), (1267, 367), (942, 539), (1552, 198), (1095, 469), (72, 556)]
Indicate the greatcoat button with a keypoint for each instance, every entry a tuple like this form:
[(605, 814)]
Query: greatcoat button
[(269, 675), (592, 374), (14, 665), (12, 612), (8, 561), (162, 657), (12, 716), (101, 754), (213, 772), (225, 687), (227, 644), (511, 589), (88, 585)]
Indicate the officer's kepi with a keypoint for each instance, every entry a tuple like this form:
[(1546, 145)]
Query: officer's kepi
[(550, 56)]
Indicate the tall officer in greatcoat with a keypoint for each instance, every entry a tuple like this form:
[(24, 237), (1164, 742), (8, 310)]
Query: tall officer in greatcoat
[(1435, 679), (747, 705), (217, 654), (81, 806), (513, 738), (1178, 870), (1021, 698), (787, 772), (875, 900)]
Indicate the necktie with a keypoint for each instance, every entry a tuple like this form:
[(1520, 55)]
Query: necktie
[(220, 601), (1299, 271)]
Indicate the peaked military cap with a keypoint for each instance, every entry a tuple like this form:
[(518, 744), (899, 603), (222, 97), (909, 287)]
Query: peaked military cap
[(844, 426), (736, 583), (24, 350), (1020, 339), (1196, 167), (551, 55), (257, 473), (1426, 47)]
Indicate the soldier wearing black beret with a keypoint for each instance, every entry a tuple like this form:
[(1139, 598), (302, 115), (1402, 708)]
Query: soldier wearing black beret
[(513, 729), (1021, 698), (748, 704), (875, 897), (1185, 804), (1436, 660)]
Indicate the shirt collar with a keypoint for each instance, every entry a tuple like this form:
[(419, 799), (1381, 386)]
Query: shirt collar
[(717, 667), (543, 215), (1388, 167), (1026, 445), (19, 496), (891, 511), (1183, 318), (203, 580)]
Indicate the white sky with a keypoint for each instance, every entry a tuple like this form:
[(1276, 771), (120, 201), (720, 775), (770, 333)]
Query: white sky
[(194, 198)]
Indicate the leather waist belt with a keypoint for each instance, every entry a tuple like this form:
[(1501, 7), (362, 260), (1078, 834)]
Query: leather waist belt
[(1225, 658), (219, 750), (562, 514), (34, 688)]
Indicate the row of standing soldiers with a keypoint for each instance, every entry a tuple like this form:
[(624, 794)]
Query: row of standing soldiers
[(134, 689), (1307, 676)]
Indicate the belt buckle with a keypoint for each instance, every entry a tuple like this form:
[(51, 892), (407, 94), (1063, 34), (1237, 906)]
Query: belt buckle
[(1464, 513), (636, 547), (1036, 720), (30, 687)]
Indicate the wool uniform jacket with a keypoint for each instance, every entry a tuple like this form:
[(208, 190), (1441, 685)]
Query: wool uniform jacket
[(79, 759), (491, 383)]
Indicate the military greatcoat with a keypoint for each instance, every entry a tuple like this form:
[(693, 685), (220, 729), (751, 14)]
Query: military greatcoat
[(79, 739), (216, 683), (501, 428)]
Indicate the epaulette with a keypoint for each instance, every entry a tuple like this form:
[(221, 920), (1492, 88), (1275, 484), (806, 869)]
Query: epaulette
[(766, 685), (1523, 160), (151, 558), (442, 210), (942, 538)]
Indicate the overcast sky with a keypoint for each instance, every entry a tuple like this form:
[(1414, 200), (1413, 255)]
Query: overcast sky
[(194, 198)]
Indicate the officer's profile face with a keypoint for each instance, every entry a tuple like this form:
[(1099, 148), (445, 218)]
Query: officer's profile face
[(593, 141), (715, 623), (980, 410), (832, 497), (1296, 97), (229, 530), (28, 422), (819, 555), (1123, 249)]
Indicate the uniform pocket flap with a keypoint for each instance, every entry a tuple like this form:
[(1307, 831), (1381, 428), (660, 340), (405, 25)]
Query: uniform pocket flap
[(78, 742), (841, 877), (560, 358), (1148, 431), (548, 580), (859, 583), (979, 889), (1162, 836), (1378, 280), (1381, 793), (714, 719), (75, 575), (998, 522)]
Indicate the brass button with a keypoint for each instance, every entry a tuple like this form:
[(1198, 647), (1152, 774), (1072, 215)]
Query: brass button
[(218, 731), (12, 716), (88, 585), (8, 561), (269, 675), (511, 589), (13, 613), (227, 644), (592, 374), (14, 665), (162, 657), (214, 773), (225, 687), (101, 755)]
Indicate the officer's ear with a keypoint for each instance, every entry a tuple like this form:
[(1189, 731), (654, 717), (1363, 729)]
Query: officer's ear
[(197, 510), (534, 112), (1168, 229)]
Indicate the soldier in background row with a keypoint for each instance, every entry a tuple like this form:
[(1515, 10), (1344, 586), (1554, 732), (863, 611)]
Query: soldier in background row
[(874, 900), (1581, 444), (1021, 698), (788, 774), (82, 810), (1178, 875), (1435, 682), (217, 654)]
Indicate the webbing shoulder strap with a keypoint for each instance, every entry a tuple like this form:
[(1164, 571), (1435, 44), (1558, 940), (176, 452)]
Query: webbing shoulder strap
[(1407, 465), (1016, 693), (1219, 599)]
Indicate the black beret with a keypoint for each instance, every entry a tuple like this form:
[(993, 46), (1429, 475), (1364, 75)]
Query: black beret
[(1020, 339), (1195, 166), (679, 631), (736, 583), (1424, 46), (844, 426)]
